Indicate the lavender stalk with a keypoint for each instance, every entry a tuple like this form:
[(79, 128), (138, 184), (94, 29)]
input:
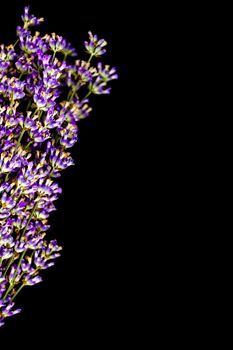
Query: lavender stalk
[(44, 92)]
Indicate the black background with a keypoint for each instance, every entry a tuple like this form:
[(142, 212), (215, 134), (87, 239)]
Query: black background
[(85, 298)]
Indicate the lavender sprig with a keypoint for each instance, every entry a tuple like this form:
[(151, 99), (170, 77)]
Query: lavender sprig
[(43, 95)]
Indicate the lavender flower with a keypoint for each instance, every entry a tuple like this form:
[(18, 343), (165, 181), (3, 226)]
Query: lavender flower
[(30, 20), (94, 46), (42, 98)]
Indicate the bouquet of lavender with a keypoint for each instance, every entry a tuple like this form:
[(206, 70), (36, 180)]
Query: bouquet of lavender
[(44, 92)]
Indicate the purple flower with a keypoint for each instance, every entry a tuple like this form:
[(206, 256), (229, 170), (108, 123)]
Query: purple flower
[(42, 98), (30, 20), (31, 280), (106, 72), (94, 46), (59, 44)]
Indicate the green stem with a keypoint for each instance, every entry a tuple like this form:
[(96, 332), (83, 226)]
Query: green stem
[(20, 137), (8, 291), (29, 105), (7, 176), (68, 96), (16, 42), (8, 265), (54, 54), (72, 95), (65, 57), (90, 58), (40, 114), (19, 263), (88, 94), (20, 288), (12, 283), (29, 144), (21, 75), (35, 111), (29, 220), (72, 92)]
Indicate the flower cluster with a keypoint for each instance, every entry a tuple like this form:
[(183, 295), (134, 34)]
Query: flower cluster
[(44, 92)]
